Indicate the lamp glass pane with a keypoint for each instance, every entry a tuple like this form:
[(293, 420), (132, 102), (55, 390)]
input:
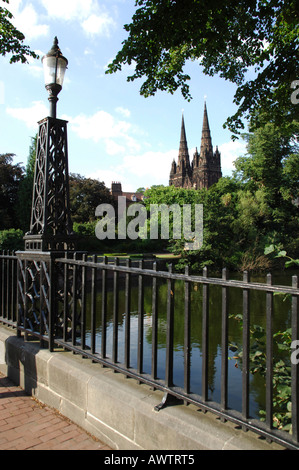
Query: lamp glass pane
[(54, 70), (49, 64), (61, 67)]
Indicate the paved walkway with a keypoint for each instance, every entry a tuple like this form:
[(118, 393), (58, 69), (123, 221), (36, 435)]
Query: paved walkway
[(27, 424)]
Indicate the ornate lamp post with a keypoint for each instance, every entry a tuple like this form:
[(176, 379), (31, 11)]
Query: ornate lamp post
[(55, 66), (41, 298), (51, 226)]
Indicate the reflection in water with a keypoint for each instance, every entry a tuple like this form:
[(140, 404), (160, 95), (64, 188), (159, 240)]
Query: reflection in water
[(281, 321)]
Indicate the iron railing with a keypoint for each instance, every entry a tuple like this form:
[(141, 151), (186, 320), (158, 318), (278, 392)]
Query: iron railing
[(55, 299)]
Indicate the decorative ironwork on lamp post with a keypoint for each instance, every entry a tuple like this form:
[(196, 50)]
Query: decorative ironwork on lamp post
[(51, 226)]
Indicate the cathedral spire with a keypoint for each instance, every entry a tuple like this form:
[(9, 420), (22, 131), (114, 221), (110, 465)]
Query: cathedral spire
[(183, 160), (206, 140), (183, 141)]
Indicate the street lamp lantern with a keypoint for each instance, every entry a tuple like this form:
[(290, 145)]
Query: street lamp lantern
[(51, 228), (55, 66)]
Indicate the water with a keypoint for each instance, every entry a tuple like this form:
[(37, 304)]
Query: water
[(281, 321)]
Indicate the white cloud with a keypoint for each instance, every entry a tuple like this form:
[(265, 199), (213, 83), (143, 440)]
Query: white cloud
[(27, 20), (230, 151), (94, 20), (148, 168), (98, 24), (138, 170), (30, 116), (123, 111), (104, 127), (68, 9), (110, 175)]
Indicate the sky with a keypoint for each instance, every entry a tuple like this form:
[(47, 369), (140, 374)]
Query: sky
[(114, 134)]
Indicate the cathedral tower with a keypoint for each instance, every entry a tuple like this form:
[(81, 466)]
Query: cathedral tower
[(181, 172), (205, 169)]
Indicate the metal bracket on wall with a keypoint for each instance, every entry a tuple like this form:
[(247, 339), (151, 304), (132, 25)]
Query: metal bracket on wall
[(167, 400)]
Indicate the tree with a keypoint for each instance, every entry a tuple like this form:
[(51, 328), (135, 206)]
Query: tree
[(24, 202), (85, 195), (272, 155), (270, 173), (226, 37), (10, 177), (11, 39)]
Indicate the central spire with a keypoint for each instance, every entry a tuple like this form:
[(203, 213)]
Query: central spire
[(183, 150), (206, 140)]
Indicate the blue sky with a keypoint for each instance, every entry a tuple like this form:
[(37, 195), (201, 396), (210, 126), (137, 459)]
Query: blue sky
[(114, 134)]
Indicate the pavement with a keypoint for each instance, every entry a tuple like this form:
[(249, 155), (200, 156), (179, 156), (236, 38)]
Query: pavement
[(27, 424)]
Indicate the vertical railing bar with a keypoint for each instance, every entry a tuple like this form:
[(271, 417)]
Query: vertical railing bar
[(154, 324), (13, 289), (8, 286), (65, 301), (3, 286), (224, 343), (41, 324), (205, 337), (187, 327), (19, 297), (52, 304), (83, 302), (128, 315), (115, 313), (1, 279), (295, 364), (246, 349), (169, 331), (93, 306), (269, 355), (25, 297), (104, 309), (140, 320), (74, 309)]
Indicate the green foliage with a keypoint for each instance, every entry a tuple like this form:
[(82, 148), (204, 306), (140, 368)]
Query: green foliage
[(282, 405), (244, 213), (12, 40), (10, 178), (278, 253), (24, 201), (225, 38), (85, 195), (11, 240)]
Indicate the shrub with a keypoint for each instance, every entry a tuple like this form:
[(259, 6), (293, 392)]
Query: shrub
[(11, 239)]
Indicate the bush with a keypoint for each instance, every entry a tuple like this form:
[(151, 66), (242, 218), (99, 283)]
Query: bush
[(11, 239)]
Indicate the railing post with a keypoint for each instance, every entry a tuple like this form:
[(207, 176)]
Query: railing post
[(140, 320), (154, 323), (205, 336), (269, 355), (128, 315), (169, 330), (93, 306), (246, 346), (19, 297), (224, 342), (115, 313), (83, 303), (187, 326), (295, 365), (52, 303), (104, 308)]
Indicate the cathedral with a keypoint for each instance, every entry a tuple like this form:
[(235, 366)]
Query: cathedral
[(205, 168)]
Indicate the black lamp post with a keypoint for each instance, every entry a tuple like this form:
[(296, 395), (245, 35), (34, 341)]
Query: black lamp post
[(55, 66), (51, 226)]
